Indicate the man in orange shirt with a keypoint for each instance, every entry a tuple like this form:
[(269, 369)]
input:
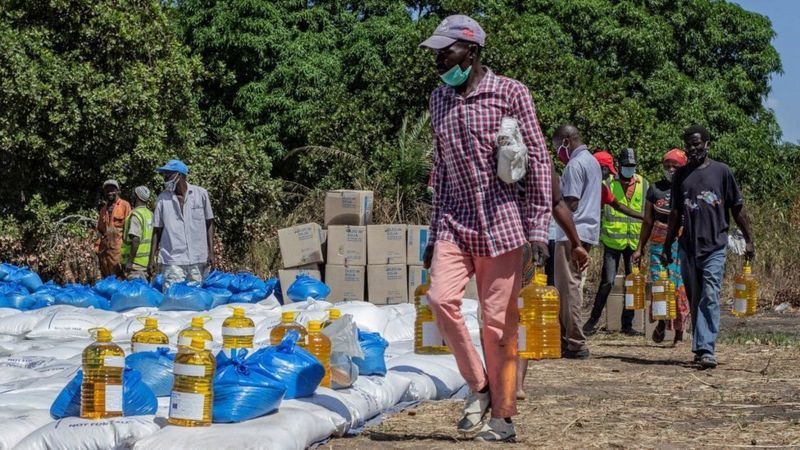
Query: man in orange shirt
[(110, 222)]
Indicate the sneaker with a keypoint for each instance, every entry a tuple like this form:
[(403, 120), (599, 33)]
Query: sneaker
[(497, 430), (475, 407), (708, 361), (631, 332), (576, 354), (590, 327)]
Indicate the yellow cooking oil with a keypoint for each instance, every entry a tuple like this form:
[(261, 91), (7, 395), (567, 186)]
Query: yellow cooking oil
[(319, 345), (101, 389), (193, 389), (662, 291), (149, 338), (539, 334), (634, 289), (238, 330), (195, 331), (427, 338), (287, 323), (745, 297)]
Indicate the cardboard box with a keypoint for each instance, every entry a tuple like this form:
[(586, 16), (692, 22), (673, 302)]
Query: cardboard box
[(347, 245), (386, 244), (387, 284), (287, 277), (417, 240), (347, 283), (615, 305), (471, 292), (343, 207), (301, 245), (417, 275)]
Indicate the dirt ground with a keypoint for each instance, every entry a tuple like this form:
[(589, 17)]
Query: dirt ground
[(635, 394)]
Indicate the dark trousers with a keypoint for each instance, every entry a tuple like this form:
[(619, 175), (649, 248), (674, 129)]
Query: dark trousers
[(609, 273), (549, 266)]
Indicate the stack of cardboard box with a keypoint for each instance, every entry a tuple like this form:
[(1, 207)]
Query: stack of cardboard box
[(387, 260)]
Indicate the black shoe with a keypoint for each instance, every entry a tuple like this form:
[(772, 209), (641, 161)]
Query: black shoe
[(579, 354), (631, 332), (590, 327), (660, 332), (708, 361)]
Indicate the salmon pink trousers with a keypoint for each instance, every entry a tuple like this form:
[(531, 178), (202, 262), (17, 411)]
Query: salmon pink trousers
[(499, 280)]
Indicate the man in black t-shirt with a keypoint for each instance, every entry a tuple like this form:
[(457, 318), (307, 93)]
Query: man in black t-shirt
[(704, 194)]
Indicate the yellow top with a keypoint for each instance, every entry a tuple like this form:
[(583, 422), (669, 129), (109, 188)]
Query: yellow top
[(334, 314), (150, 322), (238, 311), (314, 325), (198, 344), (198, 322), (541, 279), (635, 270), (747, 269), (663, 274), (287, 317), (101, 334)]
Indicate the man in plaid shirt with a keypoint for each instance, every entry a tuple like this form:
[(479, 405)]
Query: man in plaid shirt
[(480, 223)]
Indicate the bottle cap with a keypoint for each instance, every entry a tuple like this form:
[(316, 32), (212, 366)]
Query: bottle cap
[(663, 274), (101, 334), (334, 314), (635, 270), (198, 344), (747, 269), (150, 322), (198, 322), (238, 311), (541, 279), (287, 316), (314, 325)]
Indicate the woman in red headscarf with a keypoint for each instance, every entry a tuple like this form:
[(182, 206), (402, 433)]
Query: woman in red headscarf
[(654, 230)]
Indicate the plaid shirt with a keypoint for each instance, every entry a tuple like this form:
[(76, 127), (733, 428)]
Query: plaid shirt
[(472, 206)]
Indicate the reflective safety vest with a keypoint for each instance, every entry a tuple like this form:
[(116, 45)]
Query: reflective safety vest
[(145, 218), (619, 231)]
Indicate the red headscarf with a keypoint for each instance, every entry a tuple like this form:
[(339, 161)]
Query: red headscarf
[(676, 155), (606, 160)]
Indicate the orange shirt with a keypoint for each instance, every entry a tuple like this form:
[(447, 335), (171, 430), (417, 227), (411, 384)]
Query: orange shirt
[(110, 224)]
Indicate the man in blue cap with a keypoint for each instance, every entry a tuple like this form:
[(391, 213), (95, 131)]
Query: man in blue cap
[(183, 228)]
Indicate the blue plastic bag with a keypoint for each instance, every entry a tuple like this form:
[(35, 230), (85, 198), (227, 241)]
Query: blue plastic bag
[(305, 286), (44, 296), (158, 282), (16, 296), (295, 367), (243, 390), (245, 282), (135, 294), (155, 368), (185, 297), (82, 297), (28, 279), (221, 296), (374, 360), (248, 297), (137, 398), (6, 270), (219, 279), (108, 286)]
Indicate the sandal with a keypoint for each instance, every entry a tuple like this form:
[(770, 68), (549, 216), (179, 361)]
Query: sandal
[(660, 332)]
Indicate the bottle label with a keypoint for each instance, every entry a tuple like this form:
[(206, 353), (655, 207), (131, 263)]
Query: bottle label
[(187, 342), (423, 300), (144, 347), (658, 289), (114, 361), (628, 283), (184, 405), (628, 300), (189, 370), (740, 305), (522, 338), (430, 335), (228, 331), (520, 303), (113, 398), (660, 308), (741, 287)]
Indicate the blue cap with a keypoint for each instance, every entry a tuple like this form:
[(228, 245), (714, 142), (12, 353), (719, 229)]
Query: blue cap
[(174, 165)]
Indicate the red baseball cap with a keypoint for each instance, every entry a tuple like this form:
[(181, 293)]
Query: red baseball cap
[(606, 160)]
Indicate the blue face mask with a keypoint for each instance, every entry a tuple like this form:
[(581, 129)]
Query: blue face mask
[(455, 76), (627, 172)]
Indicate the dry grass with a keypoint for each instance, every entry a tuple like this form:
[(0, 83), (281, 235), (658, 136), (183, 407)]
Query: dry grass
[(632, 394)]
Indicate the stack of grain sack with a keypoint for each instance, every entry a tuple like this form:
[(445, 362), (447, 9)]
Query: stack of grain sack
[(381, 263)]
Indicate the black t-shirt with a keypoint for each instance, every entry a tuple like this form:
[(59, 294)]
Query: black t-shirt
[(659, 195), (706, 196)]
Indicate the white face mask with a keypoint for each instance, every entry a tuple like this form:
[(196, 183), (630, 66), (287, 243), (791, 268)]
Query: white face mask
[(668, 174), (170, 185)]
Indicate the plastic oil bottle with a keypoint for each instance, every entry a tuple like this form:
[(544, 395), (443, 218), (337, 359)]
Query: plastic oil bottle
[(195, 331), (319, 345), (287, 323), (539, 333), (101, 389), (149, 338), (661, 297), (634, 289), (238, 330), (427, 338), (745, 297), (333, 315), (192, 391)]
